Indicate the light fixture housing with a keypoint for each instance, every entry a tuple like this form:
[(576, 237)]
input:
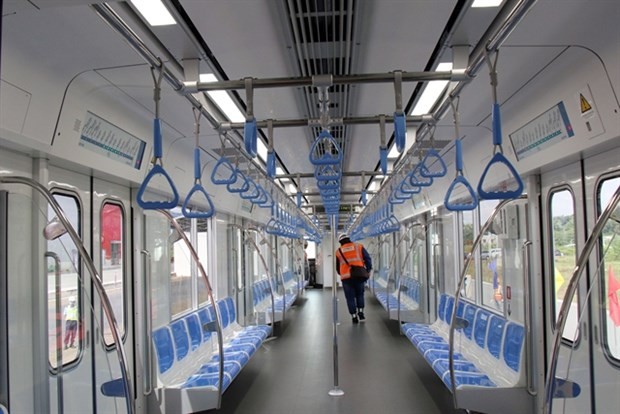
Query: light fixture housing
[(154, 12), (432, 91)]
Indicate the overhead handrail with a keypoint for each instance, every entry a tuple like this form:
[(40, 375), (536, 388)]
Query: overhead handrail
[(197, 188), (498, 158), (127, 383), (459, 180), (271, 155), (551, 382), (433, 165), (321, 150), (158, 165)]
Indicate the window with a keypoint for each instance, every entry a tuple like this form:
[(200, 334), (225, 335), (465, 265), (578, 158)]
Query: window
[(467, 238), (563, 252), (64, 281), (202, 250), (610, 271), (180, 268), (112, 268), (491, 263)]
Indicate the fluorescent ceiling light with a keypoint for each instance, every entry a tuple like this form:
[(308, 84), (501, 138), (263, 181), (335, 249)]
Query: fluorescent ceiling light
[(431, 92), (486, 3), (292, 189), (393, 153), (261, 149), (223, 100), (154, 11)]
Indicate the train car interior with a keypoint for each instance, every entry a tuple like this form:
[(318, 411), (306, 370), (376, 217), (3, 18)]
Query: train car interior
[(304, 206)]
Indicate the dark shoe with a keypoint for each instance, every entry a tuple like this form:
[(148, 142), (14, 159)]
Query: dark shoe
[(361, 316), (66, 347), (354, 319), (72, 346)]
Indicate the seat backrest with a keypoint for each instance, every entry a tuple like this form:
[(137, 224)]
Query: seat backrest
[(481, 326), (181, 338), (447, 317), (495, 335), (223, 310), (232, 313), (469, 314), (194, 328), (513, 344), (441, 308), (162, 341), (205, 318)]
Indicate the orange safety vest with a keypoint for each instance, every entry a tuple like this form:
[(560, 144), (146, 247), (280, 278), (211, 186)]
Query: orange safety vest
[(353, 253)]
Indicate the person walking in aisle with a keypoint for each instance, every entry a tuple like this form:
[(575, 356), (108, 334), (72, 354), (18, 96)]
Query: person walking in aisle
[(352, 254)]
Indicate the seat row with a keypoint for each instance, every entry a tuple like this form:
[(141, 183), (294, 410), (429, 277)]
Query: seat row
[(292, 283), (267, 309), (405, 298), (488, 349), (188, 358)]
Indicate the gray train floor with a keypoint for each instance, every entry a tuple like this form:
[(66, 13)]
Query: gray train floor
[(379, 370)]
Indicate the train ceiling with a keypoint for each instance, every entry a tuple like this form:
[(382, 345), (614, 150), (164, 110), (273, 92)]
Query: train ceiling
[(235, 39)]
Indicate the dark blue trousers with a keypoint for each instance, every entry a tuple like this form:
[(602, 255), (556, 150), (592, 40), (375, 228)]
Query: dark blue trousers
[(354, 292)]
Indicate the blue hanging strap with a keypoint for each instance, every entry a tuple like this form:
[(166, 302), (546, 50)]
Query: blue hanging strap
[(383, 161), (407, 188), (271, 155), (157, 170), (328, 172), (223, 172), (250, 130), (499, 160), (240, 184), (252, 191), (299, 199), (325, 150), (417, 180), (400, 121), (460, 181), (364, 197)]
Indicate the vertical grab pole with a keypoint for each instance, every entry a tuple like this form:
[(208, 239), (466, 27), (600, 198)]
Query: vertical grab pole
[(148, 325), (59, 363), (336, 391)]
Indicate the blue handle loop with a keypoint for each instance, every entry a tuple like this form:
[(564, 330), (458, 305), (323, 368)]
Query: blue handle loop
[(209, 212), (156, 205), (156, 170), (499, 160), (223, 172), (400, 130), (252, 192), (328, 184), (393, 199), (298, 199), (328, 172), (459, 180), (271, 164), (240, 184), (262, 196), (417, 180), (268, 203), (400, 195), (197, 189), (433, 165), (250, 132), (321, 150), (407, 188), (383, 160)]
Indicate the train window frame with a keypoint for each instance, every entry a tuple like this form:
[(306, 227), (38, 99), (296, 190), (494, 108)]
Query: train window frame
[(550, 250), (58, 191), (603, 285), (123, 248)]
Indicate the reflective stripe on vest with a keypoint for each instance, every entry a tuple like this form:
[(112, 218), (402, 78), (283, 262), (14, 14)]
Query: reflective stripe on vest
[(353, 253), (71, 313)]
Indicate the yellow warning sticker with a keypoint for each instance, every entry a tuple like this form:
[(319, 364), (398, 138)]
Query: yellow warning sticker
[(585, 105)]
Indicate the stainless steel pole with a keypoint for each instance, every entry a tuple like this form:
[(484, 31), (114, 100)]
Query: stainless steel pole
[(336, 391)]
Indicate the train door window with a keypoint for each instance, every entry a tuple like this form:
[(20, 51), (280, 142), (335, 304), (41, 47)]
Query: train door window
[(112, 268), (448, 270), (491, 283), (563, 252), (202, 250), (610, 269), (467, 241), (64, 293), (181, 269)]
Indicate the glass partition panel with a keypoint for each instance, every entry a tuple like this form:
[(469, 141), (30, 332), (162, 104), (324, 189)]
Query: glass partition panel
[(467, 241), (202, 250)]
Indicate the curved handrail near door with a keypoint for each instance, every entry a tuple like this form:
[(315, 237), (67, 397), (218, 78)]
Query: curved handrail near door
[(218, 325), (461, 284), (95, 279), (571, 289)]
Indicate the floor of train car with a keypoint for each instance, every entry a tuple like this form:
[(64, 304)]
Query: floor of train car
[(379, 370)]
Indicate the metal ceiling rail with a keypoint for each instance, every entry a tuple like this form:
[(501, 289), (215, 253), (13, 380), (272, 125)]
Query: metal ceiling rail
[(344, 174), (354, 120), (450, 75)]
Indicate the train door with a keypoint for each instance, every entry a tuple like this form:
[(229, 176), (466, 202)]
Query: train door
[(564, 234), (111, 215), (434, 265), (602, 180)]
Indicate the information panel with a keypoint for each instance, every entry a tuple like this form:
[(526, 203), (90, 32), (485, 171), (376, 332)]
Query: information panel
[(544, 131), (102, 137)]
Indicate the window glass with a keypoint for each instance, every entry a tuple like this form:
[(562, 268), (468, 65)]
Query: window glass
[(467, 238), (64, 291), (112, 269), (180, 269), (202, 249), (610, 269), (563, 252), (491, 260)]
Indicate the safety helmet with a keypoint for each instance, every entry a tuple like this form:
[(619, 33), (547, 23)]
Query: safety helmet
[(343, 236), (71, 299)]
